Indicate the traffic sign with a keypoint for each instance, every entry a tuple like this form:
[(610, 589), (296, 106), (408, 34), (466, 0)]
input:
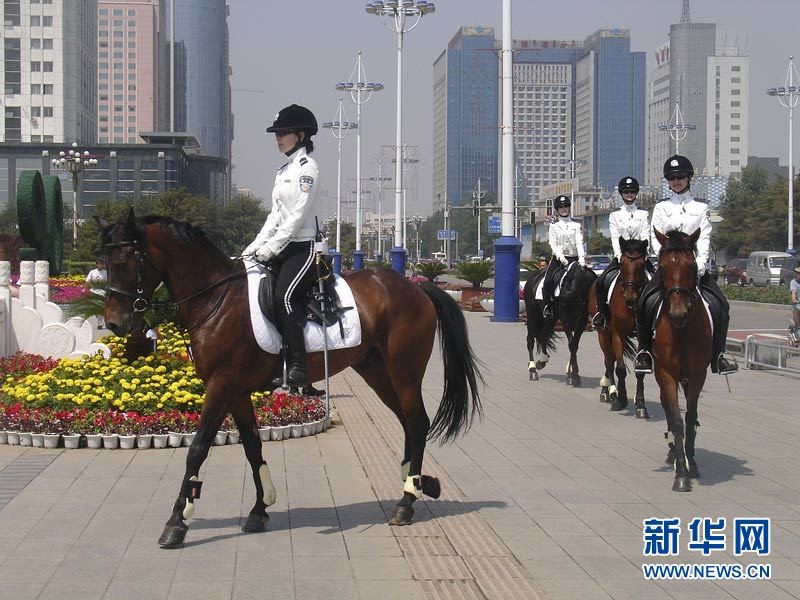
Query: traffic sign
[(445, 234), (495, 225)]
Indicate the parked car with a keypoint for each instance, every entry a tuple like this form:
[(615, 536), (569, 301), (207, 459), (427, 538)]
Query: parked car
[(787, 269), (736, 272), (598, 262), (764, 267)]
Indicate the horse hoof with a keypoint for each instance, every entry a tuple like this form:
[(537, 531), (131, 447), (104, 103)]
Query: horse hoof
[(575, 381), (604, 397), (540, 365), (682, 484), (533, 376), (255, 523), (641, 413), (173, 536), (618, 404), (694, 472), (402, 516), (431, 486)]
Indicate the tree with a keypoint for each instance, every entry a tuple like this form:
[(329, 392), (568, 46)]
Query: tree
[(597, 243), (181, 205), (738, 211), (474, 272), (240, 221), (9, 221)]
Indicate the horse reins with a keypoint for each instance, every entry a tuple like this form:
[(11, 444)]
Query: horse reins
[(140, 303)]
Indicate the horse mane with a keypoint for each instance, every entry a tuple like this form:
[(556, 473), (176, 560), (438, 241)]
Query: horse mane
[(633, 246), (186, 234), (677, 241)]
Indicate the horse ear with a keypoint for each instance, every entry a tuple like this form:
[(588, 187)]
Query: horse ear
[(662, 239), (130, 223), (695, 236), (645, 244), (622, 242)]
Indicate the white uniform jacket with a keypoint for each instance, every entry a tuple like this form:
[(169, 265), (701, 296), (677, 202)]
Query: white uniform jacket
[(291, 218), (566, 239), (684, 213), (630, 223)]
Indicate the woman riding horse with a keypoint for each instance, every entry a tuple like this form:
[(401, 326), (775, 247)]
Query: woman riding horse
[(681, 212), (399, 322)]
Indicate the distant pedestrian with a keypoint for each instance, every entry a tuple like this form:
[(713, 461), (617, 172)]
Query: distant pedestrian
[(97, 278), (794, 286)]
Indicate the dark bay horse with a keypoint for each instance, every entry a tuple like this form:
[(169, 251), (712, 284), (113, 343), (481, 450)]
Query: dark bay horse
[(570, 308), (399, 322), (681, 349), (616, 340)]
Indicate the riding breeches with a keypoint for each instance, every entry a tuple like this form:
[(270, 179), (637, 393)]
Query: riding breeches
[(295, 279)]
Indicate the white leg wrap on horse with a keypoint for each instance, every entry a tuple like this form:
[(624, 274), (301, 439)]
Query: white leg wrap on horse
[(612, 389), (405, 469), (670, 437), (270, 495), (605, 381), (531, 365), (414, 485), (188, 509), (567, 369)]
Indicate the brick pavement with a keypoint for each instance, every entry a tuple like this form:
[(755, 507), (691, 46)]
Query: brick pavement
[(543, 498)]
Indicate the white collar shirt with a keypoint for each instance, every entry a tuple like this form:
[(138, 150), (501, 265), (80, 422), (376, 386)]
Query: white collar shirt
[(566, 239), (681, 212), (630, 223)]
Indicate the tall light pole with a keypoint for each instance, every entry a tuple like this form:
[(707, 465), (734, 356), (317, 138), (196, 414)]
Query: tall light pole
[(478, 195), (360, 92), (75, 163), (573, 163), (407, 160), (339, 128), (677, 129), (789, 96), (397, 15), (380, 182)]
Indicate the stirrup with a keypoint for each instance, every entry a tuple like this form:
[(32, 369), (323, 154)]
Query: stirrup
[(639, 366), (725, 366), (599, 321)]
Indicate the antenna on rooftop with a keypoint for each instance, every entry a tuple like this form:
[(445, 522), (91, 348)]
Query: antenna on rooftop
[(685, 17)]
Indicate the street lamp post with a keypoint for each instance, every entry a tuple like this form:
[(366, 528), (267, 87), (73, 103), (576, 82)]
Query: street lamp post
[(397, 15), (75, 163), (789, 96), (677, 129), (339, 128), (360, 92), (477, 196), (380, 182)]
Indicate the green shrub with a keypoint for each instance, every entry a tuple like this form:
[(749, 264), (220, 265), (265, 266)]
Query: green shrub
[(772, 294), (475, 272), (431, 270)]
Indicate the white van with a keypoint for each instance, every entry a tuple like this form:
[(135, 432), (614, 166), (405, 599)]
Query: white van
[(764, 267)]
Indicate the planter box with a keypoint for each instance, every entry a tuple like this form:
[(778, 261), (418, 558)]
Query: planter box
[(51, 440), (144, 441), (160, 440), (111, 442), (3, 437), (221, 438), (279, 433), (94, 440), (175, 439), (72, 440), (233, 436), (37, 440), (13, 438), (264, 433), (188, 438), (127, 442), (25, 439)]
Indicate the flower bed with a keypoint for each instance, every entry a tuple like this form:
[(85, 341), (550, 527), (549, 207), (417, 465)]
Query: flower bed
[(148, 396)]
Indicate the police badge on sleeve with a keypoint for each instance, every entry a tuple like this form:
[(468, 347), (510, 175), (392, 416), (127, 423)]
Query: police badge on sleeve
[(306, 183)]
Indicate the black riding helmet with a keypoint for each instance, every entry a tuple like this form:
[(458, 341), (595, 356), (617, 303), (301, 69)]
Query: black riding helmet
[(294, 118), (678, 165), (562, 202), (628, 185)]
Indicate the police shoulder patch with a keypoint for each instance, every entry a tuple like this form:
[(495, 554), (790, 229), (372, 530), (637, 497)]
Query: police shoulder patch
[(303, 160), (306, 183)]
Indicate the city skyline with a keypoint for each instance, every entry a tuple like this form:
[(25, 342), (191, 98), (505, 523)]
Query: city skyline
[(312, 55)]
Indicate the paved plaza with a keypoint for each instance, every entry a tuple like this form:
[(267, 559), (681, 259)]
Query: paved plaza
[(544, 498)]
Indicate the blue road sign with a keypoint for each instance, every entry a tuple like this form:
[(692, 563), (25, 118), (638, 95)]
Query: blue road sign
[(444, 234), (495, 225)]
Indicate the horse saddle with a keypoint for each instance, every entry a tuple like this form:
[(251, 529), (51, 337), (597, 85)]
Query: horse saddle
[(316, 300)]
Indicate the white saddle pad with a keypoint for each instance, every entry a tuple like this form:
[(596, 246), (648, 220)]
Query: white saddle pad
[(268, 337), (540, 296)]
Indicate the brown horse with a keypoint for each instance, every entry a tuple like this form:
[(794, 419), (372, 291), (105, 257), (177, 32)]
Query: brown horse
[(681, 349), (616, 338), (398, 326)]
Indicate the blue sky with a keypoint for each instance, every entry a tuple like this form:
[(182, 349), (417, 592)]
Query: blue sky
[(296, 51)]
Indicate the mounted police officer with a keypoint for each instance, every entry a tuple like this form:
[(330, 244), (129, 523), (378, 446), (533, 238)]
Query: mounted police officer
[(566, 241), (630, 223), (286, 240), (682, 212)]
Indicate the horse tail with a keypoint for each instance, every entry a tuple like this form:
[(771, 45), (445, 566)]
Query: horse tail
[(628, 348), (461, 374)]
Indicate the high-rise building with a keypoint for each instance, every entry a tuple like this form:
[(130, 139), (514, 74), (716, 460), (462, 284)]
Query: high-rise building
[(465, 120), (708, 78), (201, 76), (544, 101), (610, 109), (130, 61), (49, 71)]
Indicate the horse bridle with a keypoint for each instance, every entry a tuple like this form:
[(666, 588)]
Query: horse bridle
[(140, 303), (630, 283)]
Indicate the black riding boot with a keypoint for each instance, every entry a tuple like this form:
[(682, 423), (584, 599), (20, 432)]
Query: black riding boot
[(720, 313), (643, 362), (296, 373)]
